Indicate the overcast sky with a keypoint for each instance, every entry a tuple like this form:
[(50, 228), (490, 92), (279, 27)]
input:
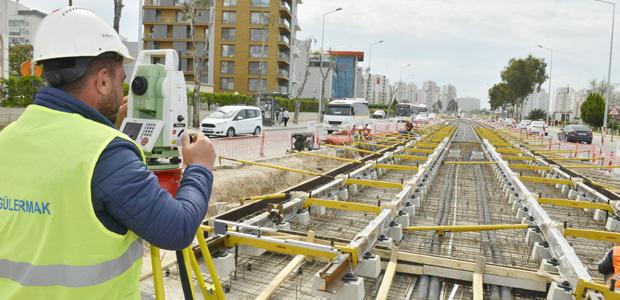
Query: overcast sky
[(463, 42)]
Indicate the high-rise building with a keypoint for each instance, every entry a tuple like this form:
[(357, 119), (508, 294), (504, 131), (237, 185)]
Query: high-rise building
[(253, 41), (345, 73), (430, 92), (359, 83), (468, 104), (166, 27), (448, 92), (377, 89), (406, 92)]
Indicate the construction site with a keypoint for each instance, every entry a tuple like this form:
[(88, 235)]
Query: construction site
[(460, 209)]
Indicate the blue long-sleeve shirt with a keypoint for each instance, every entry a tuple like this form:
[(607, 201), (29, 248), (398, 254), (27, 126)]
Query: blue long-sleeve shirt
[(127, 195)]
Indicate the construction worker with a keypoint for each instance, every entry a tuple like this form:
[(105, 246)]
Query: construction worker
[(610, 266), (76, 198)]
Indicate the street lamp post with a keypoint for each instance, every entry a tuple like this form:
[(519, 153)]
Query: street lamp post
[(550, 70), (369, 57), (321, 61), (611, 48)]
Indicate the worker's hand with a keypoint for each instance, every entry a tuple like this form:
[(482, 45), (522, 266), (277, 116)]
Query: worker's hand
[(200, 152), (121, 114)]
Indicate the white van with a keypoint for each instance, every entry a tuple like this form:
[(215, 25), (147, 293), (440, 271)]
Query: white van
[(342, 114), (232, 120)]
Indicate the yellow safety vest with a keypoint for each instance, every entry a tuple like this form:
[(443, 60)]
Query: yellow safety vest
[(52, 246)]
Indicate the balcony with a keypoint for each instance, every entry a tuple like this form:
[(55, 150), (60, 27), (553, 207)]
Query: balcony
[(285, 9), (285, 25), (284, 41), (284, 57), (283, 89), (283, 74)]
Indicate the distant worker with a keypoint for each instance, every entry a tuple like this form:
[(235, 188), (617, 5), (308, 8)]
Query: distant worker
[(76, 198), (285, 116), (610, 266)]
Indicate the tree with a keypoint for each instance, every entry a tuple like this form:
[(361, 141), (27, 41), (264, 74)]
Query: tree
[(437, 106), (17, 55), (18, 91), (537, 114), (523, 77), (592, 110), (118, 8), (453, 106), (501, 97), (191, 11)]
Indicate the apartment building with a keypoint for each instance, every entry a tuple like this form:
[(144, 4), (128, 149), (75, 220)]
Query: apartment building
[(253, 41), (165, 27)]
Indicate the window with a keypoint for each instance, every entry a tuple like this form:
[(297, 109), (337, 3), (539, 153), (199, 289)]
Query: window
[(158, 15), (228, 67), (253, 84), (260, 3), (228, 50), (258, 51), (227, 83), (254, 68), (229, 34), (258, 35), (260, 18), (228, 3), (253, 113), (229, 17)]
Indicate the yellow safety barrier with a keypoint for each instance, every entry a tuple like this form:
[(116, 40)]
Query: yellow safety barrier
[(247, 162), (597, 235), (547, 180), (467, 228), (263, 197), (396, 167), (382, 146), (582, 286), (517, 157), (575, 203), (343, 205), (373, 183), (508, 151), (528, 167), (410, 157)]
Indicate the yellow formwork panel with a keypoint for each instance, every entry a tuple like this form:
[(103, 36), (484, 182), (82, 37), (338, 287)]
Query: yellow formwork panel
[(343, 205), (547, 180), (373, 183), (396, 167), (575, 203), (528, 167)]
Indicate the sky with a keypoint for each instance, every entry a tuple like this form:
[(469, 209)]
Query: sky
[(465, 43)]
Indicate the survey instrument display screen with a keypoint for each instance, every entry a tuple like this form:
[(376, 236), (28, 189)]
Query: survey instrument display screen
[(132, 130)]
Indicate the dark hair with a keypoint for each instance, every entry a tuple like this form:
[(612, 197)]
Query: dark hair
[(70, 74)]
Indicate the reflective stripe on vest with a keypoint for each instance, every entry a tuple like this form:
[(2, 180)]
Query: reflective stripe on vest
[(70, 276), (52, 244)]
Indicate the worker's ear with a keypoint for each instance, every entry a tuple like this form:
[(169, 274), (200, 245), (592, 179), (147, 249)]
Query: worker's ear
[(104, 83)]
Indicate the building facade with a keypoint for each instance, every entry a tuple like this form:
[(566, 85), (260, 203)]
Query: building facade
[(468, 104), (567, 104), (406, 92), (22, 23), (448, 92), (253, 42), (376, 88), (4, 39), (538, 100), (430, 93), (312, 86), (345, 73), (166, 27)]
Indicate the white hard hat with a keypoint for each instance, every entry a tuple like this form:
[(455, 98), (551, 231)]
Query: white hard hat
[(76, 32)]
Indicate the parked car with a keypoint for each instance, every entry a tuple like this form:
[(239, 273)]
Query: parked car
[(232, 120), (524, 124), (378, 114), (537, 127), (577, 133)]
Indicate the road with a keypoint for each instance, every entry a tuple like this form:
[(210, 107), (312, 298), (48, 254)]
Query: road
[(609, 146)]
